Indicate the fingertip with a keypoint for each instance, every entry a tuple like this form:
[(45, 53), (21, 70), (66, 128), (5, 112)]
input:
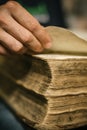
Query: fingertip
[(37, 49), (48, 45), (3, 51), (46, 39)]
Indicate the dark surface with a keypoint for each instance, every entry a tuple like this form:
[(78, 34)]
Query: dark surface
[(9, 121)]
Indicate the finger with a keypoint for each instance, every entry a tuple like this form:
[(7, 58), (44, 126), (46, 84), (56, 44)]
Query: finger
[(10, 42), (29, 22), (22, 34), (3, 51), (31, 52)]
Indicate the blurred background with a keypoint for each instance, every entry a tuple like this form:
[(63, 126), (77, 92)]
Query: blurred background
[(75, 13)]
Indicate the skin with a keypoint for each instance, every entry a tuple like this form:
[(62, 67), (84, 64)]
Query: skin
[(20, 32)]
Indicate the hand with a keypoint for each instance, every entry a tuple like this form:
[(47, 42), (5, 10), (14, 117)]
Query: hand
[(20, 32)]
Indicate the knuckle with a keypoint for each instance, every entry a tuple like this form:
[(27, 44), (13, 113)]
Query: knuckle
[(2, 16), (11, 4), (27, 38), (34, 26), (2, 19)]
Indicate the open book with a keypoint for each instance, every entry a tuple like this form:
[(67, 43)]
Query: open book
[(47, 91)]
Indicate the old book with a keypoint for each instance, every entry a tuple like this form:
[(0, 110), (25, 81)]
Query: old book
[(47, 91)]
